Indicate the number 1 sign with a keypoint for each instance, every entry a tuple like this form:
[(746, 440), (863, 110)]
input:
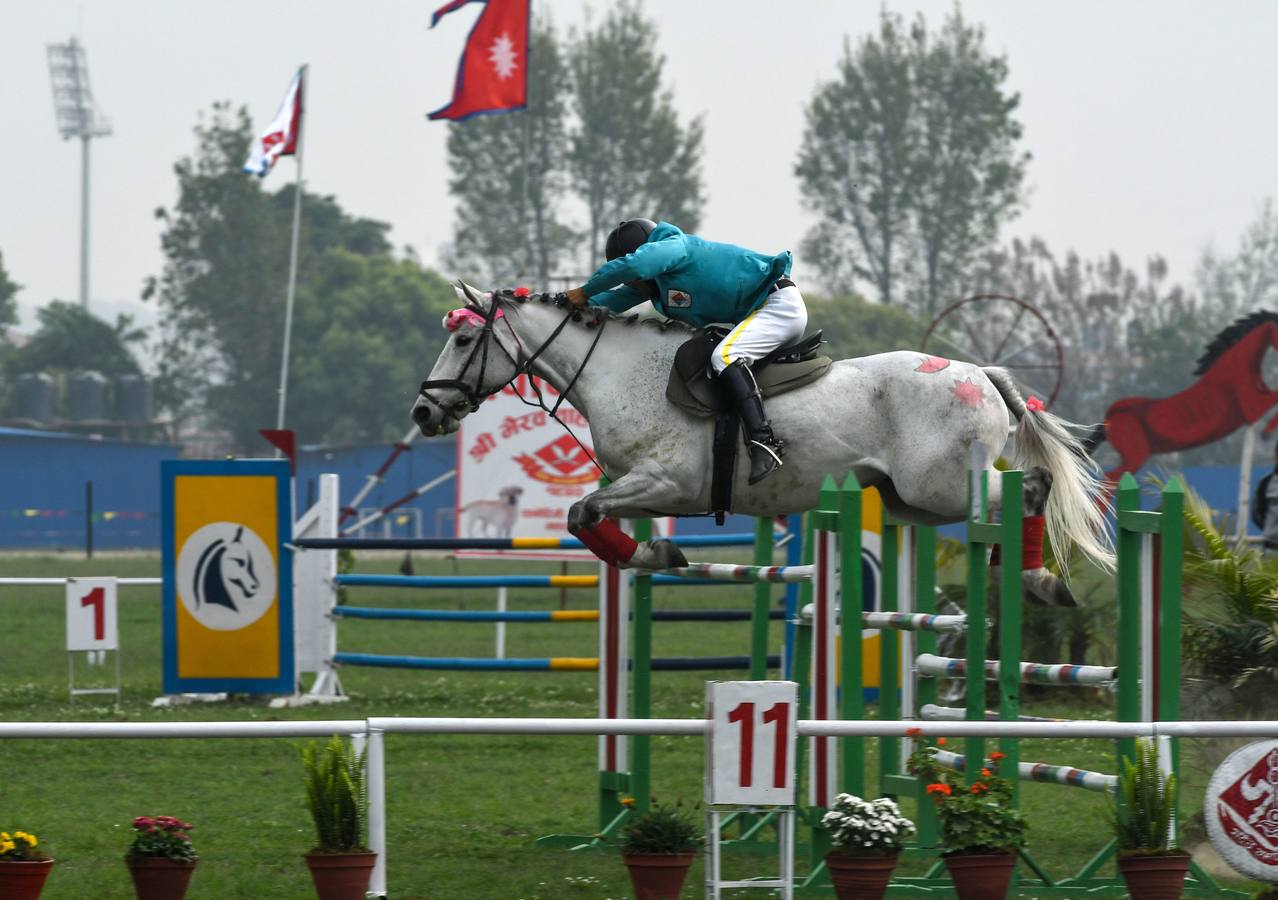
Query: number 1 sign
[(91, 614), (750, 752), (91, 628)]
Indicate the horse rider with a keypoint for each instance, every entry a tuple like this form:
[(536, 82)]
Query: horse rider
[(703, 282)]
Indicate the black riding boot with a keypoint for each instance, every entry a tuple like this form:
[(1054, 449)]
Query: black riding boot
[(765, 448)]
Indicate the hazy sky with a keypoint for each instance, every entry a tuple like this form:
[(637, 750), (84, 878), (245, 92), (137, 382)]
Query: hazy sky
[(1153, 125)]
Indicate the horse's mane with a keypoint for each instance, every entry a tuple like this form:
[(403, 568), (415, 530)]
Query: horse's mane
[(595, 314), (1231, 335)]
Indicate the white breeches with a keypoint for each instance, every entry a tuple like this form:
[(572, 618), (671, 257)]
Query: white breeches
[(780, 320)]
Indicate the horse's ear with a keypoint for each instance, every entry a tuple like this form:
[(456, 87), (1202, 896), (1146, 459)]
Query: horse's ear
[(473, 298)]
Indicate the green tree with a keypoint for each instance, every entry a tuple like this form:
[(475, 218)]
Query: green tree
[(1248, 280), (8, 300), (1123, 331), (73, 339), (855, 326), (367, 331), (629, 154), (508, 176), (969, 172), (909, 161), (221, 298), (221, 292)]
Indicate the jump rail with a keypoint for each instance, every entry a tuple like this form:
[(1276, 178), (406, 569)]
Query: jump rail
[(527, 543)]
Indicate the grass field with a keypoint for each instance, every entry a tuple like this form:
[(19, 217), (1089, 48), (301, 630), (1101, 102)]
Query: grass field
[(463, 812)]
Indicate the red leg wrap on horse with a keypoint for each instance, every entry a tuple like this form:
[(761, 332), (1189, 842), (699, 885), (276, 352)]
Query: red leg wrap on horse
[(608, 542), (1031, 545)]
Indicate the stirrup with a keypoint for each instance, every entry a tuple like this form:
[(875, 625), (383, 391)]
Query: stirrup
[(772, 460)]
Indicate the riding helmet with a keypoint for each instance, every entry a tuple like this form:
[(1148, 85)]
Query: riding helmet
[(628, 237)]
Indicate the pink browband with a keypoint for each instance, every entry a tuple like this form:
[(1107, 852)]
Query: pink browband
[(458, 317)]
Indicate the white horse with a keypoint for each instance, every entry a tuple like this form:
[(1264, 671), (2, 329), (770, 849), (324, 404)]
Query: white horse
[(903, 422)]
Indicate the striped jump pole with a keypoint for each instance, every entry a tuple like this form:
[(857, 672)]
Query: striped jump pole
[(540, 664), (1040, 772), (497, 581), (540, 615), (513, 543), (749, 574), (931, 666)]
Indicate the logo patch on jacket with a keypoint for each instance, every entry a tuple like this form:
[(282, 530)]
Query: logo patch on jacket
[(678, 299)]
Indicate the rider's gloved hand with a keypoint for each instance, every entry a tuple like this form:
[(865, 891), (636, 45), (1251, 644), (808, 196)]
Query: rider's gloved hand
[(576, 297)]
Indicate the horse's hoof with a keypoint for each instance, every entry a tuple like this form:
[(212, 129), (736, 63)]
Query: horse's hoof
[(1048, 589), (667, 555), (581, 515)]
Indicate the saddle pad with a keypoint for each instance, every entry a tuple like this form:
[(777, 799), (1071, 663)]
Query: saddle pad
[(693, 391)]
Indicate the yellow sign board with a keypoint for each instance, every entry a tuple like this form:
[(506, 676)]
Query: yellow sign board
[(228, 586)]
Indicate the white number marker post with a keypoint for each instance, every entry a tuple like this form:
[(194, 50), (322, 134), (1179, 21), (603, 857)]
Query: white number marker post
[(91, 628), (750, 765)]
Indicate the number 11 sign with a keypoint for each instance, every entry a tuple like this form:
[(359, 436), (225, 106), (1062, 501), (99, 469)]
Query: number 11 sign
[(751, 743)]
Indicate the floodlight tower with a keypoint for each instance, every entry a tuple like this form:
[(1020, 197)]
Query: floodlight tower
[(77, 117)]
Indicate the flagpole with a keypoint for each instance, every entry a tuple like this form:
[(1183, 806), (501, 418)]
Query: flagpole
[(292, 261)]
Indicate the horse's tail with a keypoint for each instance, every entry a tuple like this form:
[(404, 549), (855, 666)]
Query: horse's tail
[(1095, 438), (1079, 500)]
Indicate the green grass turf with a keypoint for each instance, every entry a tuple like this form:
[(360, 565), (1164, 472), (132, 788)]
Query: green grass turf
[(463, 811)]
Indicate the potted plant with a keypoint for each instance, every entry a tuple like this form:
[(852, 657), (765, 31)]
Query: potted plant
[(658, 847), (341, 863), (23, 867), (161, 857), (866, 838), (980, 829), (1150, 865)]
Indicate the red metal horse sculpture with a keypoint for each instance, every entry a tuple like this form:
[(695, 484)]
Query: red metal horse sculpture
[(1230, 393)]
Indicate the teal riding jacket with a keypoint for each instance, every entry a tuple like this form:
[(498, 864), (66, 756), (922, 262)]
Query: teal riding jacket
[(698, 281)]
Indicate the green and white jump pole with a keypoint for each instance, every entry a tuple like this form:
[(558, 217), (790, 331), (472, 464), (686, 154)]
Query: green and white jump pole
[(1146, 678)]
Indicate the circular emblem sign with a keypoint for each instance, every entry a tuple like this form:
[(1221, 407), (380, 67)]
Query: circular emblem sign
[(1242, 810), (226, 576)]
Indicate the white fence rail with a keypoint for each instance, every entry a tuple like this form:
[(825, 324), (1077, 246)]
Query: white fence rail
[(370, 732)]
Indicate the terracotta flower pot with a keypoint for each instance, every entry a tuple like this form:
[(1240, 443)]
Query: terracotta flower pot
[(341, 876), (159, 878), (860, 877), (23, 880), (1154, 877), (657, 876), (981, 876)]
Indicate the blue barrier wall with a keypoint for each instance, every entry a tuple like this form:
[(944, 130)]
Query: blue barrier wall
[(43, 498), (42, 492), (424, 460)]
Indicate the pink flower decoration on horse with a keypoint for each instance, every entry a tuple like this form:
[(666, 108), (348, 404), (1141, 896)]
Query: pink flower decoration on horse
[(930, 364), (968, 393), (456, 318), (1033, 404)]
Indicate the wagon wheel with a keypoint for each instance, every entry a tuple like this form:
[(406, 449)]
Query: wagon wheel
[(1000, 330)]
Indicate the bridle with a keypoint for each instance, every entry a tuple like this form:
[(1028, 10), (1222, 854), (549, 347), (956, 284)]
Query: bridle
[(475, 395)]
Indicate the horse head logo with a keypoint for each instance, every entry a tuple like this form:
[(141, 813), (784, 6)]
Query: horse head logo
[(225, 570), (226, 576)]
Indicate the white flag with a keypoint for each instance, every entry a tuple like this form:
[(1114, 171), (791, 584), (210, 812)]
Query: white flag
[(281, 136)]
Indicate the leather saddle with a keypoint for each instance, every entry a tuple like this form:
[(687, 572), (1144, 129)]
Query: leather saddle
[(693, 389)]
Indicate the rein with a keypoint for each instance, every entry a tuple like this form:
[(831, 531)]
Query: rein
[(475, 395)]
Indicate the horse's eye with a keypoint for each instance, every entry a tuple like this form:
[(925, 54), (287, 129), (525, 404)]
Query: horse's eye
[(463, 340)]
